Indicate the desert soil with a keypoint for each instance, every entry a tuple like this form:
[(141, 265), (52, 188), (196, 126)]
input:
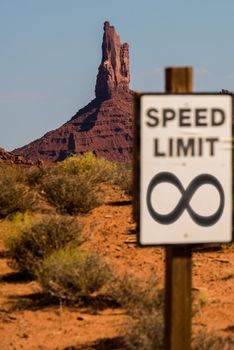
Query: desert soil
[(29, 323)]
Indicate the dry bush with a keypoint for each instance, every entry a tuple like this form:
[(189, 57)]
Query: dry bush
[(29, 245), (73, 186), (147, 332), (134, 295), (15, 172), (123, 178), (15, 195), (97, 170), (144, 303), (70, 274), (34, 175), (209, 341), (71, 194), (227, 247)]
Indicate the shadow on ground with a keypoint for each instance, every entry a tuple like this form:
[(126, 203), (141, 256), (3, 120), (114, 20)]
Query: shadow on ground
[(39, 301), (119, 203), (116, 343), (15, 277)]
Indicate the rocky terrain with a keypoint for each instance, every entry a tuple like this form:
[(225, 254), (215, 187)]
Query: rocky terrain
[(10, 158), (104, 126)]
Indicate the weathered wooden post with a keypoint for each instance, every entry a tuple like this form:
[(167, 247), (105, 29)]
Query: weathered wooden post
[(178, 274), (182, 140)]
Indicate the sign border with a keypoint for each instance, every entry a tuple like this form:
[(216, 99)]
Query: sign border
[(137, 166)]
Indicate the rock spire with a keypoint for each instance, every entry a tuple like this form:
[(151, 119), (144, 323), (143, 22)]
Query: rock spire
[(113, 72), (104, 126)]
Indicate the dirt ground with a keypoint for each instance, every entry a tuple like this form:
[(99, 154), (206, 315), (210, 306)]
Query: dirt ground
[(29, 323)]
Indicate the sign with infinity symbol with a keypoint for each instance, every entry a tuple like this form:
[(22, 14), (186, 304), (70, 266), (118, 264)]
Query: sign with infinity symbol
[(186, 195), (183, 153)]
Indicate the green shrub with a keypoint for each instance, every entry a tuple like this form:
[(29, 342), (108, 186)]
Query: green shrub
[(14, 195), (32, 243), (97, 170), (70, 274), (70, 193)]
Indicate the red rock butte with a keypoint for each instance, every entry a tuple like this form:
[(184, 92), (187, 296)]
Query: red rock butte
[(113, 73), (104, 126), (10, 158)]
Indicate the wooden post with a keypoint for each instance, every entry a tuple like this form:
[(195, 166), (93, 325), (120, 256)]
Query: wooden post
[(179, 80), (178, 278)]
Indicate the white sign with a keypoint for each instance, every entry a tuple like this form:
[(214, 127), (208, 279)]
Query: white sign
[(185, 169)]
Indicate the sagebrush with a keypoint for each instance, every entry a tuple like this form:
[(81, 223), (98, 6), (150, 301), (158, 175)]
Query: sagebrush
[(71, 194), (143, 302), (15, 195), (123, 178), (32, 243), (210, 341), (96, 170), (70, 274)]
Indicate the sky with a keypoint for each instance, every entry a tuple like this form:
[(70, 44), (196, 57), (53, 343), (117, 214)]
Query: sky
[(51, 50)]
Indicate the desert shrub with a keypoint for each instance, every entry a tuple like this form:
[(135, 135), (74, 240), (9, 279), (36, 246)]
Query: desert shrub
[(70, 274), (29, 245), (97, 170), (127, 292), (209, 341), (147, 332), (144, 303), (15, 195), (70, 193), (19, 219), (35, 175), (134, 295), (123, 178), (14, 172)]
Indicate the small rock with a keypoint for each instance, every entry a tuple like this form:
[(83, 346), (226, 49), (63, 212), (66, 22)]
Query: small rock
[(79, 318)]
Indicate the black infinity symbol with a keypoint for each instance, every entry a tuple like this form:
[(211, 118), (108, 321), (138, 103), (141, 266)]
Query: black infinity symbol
[(185, 199)]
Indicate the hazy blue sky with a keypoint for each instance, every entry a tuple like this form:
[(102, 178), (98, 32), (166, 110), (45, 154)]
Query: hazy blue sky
[(51, 49)]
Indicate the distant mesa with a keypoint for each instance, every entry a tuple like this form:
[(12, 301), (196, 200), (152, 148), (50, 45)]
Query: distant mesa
[(104, 126)]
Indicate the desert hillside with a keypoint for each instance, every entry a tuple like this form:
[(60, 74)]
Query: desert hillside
[(119, 309)]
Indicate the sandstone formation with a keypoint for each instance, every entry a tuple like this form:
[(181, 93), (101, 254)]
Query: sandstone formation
[(10, 158), (104, 126), (113, 73)]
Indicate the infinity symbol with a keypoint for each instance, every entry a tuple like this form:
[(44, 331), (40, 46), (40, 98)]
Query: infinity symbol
[(187, 194)]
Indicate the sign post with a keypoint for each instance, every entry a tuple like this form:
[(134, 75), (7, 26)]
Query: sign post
[(183, 184), (178, 273)]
